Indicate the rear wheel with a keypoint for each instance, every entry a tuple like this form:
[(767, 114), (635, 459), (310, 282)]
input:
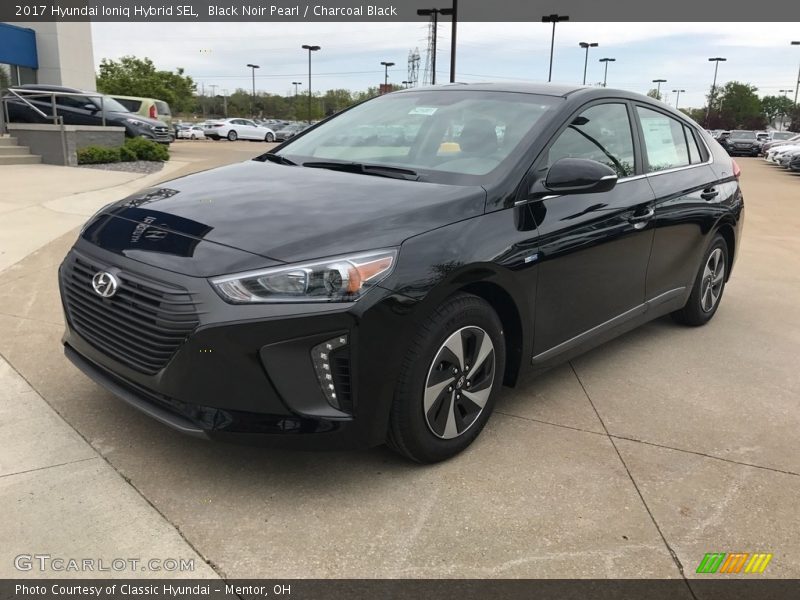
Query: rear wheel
[(708, 286), (232, 136), (448, 382), (194, 137)]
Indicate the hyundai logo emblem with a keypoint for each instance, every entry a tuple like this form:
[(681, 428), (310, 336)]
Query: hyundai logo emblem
[(105, 284)]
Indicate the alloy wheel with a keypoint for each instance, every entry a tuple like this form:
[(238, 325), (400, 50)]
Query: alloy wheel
[(459, 382), (713, 279)]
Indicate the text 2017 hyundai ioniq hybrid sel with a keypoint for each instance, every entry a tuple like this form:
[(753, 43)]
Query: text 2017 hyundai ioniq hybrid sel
[(379, 277)]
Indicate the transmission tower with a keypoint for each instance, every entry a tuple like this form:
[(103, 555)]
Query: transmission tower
[(428, 72), (413, 67)]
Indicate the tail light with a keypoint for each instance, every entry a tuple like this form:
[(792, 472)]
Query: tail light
[(736, 169), (153, 113)]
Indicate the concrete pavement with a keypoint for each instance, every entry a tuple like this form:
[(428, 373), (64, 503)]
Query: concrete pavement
[(632, 461)]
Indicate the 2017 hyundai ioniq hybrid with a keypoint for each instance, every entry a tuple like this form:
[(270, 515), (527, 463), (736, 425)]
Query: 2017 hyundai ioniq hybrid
[(382, 287)]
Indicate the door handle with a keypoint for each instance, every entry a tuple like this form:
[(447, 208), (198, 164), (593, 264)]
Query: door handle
[(709, 193), (639, 221)]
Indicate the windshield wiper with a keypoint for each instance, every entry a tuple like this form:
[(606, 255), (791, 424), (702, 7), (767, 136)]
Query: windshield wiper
[(364, 169), (276, 158)]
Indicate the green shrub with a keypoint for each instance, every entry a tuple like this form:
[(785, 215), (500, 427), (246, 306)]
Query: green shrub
[(147, 149), (126, 154), (93, 155)]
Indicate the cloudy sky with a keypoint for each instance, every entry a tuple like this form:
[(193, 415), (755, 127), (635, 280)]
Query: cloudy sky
[(216, 53)]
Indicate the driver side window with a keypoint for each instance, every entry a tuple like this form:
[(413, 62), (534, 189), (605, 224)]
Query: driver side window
[(601, 133)]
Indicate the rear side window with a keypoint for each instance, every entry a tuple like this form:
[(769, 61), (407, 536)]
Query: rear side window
[(131, 105), (601, 133), (163, 108), (665, 140), (694, 149)]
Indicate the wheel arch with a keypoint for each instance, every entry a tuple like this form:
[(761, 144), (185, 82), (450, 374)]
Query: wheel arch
[(728, 234), (506, 308)]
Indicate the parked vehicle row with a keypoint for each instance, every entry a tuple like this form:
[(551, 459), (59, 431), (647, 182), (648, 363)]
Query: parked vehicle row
[(750, 142), (79, 107), (785, 155)]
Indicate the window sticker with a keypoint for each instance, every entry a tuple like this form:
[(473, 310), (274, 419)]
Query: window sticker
[(423, 110)]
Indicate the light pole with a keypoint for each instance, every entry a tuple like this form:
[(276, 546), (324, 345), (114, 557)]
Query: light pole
[(225, 102), (553, 19), (605, 72), (310, 50), (433, 13), (253, 69), (453, 12), (386, 66), (586, 46), (783, 114), (658, 89), (295, 84), (797, 84), (678, 98), (716, 60)]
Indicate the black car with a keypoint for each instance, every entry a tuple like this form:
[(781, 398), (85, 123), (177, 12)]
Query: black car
[(355, 295), (83, 110), (743, 142)]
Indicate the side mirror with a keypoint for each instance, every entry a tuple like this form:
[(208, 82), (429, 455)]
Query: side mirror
[(580, 176), (91, 107)]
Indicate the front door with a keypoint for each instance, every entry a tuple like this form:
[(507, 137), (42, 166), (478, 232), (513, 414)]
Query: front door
[(593, 248)]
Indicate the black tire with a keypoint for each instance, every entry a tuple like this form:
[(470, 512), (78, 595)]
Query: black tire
[(701, 307), (193, 137), (232, 136), (269, 138), (411, 432)]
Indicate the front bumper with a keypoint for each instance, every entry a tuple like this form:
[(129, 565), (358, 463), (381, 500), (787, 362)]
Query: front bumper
[(242, 371)]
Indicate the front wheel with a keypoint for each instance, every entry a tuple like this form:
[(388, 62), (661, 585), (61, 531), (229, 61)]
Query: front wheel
[(448, 381), (270, 137), (708, 286), (232, 136)]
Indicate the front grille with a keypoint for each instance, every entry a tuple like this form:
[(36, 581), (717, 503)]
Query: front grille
[(161, 130), (141, 326)]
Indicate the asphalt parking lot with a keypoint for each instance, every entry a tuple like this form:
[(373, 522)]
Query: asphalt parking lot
[(632, 461)]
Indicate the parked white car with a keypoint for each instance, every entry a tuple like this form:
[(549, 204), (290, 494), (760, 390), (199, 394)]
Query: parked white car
[(238, 129), (195, 132), (773, 154)]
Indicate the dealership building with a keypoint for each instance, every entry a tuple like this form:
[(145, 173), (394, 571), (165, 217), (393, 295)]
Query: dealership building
[(48, 53)]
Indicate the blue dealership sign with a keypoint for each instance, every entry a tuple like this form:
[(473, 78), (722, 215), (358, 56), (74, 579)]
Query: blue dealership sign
[(18, 46)]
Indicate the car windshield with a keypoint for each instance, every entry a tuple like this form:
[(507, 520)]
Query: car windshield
[(110, 104), (785, 135), (743, 135), (442, 135)]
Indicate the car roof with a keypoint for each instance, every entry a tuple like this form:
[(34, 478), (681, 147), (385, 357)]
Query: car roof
[(561, 90), (52, 88), (133, 97)]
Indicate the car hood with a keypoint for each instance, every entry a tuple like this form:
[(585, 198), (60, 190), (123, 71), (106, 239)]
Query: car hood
[(121, 116), (291, 213)]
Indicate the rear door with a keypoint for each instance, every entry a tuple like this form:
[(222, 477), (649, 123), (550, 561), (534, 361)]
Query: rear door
[(688, 199), (593, 248)]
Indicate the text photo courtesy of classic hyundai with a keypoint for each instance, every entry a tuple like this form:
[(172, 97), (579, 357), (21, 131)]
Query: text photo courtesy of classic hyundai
[(380, 276)]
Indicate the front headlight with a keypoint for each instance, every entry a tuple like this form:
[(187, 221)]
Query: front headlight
[(139, 124), (337, 279)]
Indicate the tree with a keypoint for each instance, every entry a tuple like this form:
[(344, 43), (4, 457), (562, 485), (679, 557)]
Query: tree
[(773, 107), (738, 107), (654, 93), (131, 76), (5, 78), (696, 114)]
